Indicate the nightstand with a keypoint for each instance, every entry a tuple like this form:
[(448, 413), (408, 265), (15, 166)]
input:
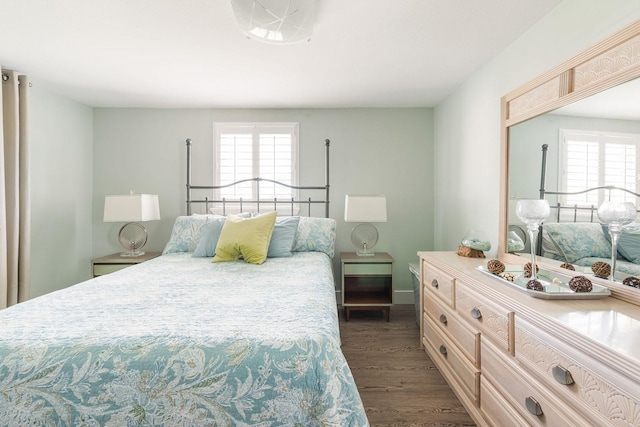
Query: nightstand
[(367, 282), (114, 262)]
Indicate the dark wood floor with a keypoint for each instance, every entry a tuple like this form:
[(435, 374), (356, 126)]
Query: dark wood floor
[(398, 383)]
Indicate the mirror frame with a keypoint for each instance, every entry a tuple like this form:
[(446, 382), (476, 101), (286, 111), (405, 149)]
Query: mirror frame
[(613, 61)]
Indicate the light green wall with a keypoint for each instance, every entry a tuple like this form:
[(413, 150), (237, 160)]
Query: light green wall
[(385, 151), (61, 132), (526, 141), (439, 168), (467, 123)]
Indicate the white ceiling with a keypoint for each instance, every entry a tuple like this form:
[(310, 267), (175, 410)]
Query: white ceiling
[(190, 53)]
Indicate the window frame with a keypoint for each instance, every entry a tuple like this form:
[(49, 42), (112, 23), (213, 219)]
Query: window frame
[(256, 129), (601, 139)]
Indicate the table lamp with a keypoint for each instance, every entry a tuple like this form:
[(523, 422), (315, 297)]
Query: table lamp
[(365, 209), (132, 209)]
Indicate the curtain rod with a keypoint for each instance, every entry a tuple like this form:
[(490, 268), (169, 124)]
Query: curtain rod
[(5, 77)]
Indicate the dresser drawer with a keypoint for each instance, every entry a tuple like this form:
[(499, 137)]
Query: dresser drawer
[(599, 396), (534, 402), (494, 321), (444, 352), (437, 282), (449, 322), (495, 408)]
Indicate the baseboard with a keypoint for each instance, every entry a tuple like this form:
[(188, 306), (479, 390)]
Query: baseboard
[(403, 297)]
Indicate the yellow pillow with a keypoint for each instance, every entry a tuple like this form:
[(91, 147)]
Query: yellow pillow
[(246, 237)]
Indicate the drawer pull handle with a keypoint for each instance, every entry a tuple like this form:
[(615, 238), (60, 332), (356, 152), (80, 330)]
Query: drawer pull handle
[(533, 406), (443, 350), (476, 313), (434, 283), (443, 319), (562, 375)]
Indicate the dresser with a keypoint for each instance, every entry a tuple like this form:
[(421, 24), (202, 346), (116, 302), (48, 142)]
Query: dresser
[(516, 360)]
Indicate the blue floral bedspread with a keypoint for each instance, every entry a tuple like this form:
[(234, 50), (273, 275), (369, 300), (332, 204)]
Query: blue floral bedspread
[(180, 341)]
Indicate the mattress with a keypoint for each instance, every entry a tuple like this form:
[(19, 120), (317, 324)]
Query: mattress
[(179, 340)]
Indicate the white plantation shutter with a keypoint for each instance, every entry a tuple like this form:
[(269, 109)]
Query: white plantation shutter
[(252, 150), (595, 159)]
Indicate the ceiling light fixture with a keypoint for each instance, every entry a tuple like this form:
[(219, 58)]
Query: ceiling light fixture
[(275, 21)]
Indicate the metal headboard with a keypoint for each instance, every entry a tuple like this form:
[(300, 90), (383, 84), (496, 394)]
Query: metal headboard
[(293, 203), (591, 210)]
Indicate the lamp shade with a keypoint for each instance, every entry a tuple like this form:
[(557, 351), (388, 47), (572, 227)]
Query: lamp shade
[(275, 21), (365, 208), (131, 208)]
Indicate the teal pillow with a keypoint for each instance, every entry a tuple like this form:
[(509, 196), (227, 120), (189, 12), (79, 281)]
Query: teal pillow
[(576, 240), (628, 242), (209, 239), (284, 232), (315, 235), (185, 234)]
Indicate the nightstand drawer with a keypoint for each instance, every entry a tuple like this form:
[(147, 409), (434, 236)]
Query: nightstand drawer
[(366, 269), (115, 262), (102, 269)]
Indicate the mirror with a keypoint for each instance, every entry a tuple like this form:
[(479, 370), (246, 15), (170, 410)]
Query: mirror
[(616, 110), (577, 95)]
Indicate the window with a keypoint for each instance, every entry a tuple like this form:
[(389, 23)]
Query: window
[(594, 159), (252, 150)]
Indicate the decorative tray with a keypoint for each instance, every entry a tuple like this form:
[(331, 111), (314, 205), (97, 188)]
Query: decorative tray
[(555, 284)]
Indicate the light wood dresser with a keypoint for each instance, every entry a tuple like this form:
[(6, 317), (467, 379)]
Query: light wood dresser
[(514, 360)]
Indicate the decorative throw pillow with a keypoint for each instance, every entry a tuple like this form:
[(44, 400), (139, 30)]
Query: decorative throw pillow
[(185, 234), (209, 239), (315, 235), (284, 232), (628, 242), (245, 237), (579, 240)]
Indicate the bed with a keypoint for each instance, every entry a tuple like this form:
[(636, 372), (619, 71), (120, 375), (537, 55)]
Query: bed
[(574, 234), (181, 340)]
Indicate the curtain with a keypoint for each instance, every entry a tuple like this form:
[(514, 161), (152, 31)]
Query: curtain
[(15, 229)]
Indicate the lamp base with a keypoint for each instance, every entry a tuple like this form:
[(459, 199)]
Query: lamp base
[(131, 254), (365, 253)]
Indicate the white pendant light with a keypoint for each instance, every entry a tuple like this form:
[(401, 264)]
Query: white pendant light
[(275, 21)]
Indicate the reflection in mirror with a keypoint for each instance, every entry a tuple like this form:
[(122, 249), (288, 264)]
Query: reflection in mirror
[(591, 143)]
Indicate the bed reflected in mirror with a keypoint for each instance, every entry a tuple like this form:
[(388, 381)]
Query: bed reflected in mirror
[(590, 143)]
